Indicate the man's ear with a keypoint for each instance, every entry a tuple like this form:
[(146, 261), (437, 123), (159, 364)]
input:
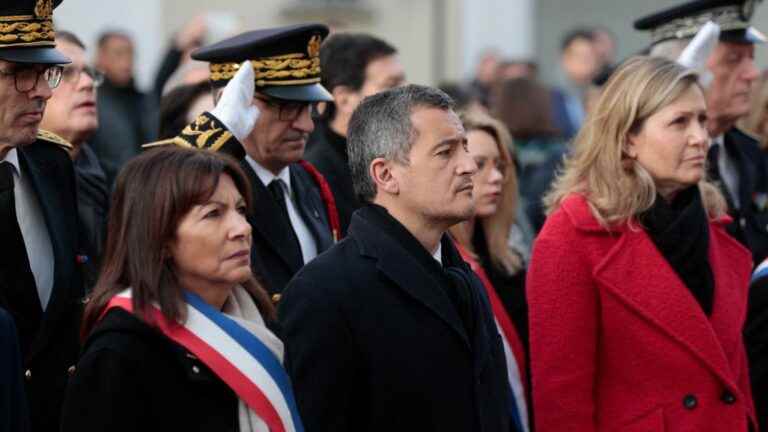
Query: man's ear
[(345, 99), (381, 171)]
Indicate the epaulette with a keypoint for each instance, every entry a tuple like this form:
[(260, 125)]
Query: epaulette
[(206, 132), (53, 138)]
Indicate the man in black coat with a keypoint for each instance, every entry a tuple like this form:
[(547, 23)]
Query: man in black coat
[(390, 329), (353, 65), (40, 279), (290, 219)]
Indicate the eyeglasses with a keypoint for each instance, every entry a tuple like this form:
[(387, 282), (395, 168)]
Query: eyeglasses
[(290, 111), (26, 78), (72, 74)]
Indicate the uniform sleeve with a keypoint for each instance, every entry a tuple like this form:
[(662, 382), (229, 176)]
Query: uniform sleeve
[(563, 327), (318, 355), (105, 394)]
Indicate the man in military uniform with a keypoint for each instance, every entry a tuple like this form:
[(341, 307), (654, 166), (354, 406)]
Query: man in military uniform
[(294, 218), (40, 281), (735, 160)]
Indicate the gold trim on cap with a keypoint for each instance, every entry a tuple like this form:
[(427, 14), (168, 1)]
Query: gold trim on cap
[(44, 8), (276, 70), (728, 18), (26, 32)]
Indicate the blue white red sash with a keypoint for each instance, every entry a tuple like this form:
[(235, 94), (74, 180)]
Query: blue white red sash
[(236, 355), (513, 347)]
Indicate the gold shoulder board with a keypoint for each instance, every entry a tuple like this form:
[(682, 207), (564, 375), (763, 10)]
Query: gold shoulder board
[(53, 138)]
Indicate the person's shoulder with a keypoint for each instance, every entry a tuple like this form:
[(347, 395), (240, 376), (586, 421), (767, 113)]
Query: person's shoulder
[(121, 334)]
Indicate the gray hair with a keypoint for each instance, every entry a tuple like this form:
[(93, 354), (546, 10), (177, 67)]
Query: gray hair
[(381, 127)]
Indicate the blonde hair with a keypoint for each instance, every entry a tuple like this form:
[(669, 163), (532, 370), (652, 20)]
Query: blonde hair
[(616, 187), (496, 226)]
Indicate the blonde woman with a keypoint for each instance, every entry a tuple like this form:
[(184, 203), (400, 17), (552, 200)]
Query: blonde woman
[(636, 293), (482, 242)]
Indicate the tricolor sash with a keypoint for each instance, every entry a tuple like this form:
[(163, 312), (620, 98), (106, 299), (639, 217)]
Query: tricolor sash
[(237, 355), (513, 347)]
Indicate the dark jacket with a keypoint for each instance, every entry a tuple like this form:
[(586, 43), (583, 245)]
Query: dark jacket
[(13, 403), (127, 119), (376, 340), (756, 340), (49, 339), (327, 150), (92, 207), (750, 222), (132, 378), (274, 256)]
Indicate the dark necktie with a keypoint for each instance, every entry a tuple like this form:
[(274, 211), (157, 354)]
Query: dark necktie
[(17, 283), (278, 193)]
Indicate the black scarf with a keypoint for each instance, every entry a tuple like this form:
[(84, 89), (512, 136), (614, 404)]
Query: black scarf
[(680, 231), (453, 276)]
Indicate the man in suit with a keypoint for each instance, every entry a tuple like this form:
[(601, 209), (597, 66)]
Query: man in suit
[(71, 114), (390, 329), (735, 160), (291, 220), (354, 65), (40, 281)]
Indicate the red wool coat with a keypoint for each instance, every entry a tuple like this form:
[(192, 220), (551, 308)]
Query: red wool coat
[(618, 343)]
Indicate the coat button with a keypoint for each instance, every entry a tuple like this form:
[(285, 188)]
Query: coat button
[(276, 298), (690, 402), (743, 222), (28, 374), (195, 369), (71, 370), (728, 398)]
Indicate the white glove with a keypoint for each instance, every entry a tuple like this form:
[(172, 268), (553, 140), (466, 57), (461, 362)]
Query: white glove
[(236, 108), (695, 55)]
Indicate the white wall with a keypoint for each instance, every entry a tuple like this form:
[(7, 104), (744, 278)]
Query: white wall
[(504, 25)]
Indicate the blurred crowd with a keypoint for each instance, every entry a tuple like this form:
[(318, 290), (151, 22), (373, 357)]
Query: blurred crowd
[(284, 233)]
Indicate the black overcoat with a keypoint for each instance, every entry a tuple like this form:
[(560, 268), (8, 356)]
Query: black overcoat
[(131, 377), (13, 403), (374, 343), (50, 339), (274, 256)]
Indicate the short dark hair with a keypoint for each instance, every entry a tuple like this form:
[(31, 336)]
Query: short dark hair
[(572, 36), (107, 35), (67, 36), (381, 127), (344, 57), (175, 105)]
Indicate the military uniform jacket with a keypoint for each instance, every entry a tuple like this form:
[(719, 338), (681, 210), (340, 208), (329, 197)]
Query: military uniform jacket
[(274, 256), (50, 339), (750, 222)]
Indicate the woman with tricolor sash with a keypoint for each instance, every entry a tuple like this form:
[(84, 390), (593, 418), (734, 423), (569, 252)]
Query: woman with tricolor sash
[(482, 242), (176, 328)]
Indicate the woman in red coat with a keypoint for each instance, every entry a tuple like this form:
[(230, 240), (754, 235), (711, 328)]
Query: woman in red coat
[(637, 295)]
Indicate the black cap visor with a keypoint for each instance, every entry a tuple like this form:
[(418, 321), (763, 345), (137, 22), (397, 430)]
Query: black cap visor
[(34, 55), (304, 93)]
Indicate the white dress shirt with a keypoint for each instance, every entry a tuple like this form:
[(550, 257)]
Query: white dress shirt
[(728, 171), (306, 240), (33, 229)]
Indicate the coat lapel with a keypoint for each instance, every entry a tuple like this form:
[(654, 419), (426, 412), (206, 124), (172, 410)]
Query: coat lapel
[(61, 231), (407, 274), (311, 208), (266, 220), (660, 297)]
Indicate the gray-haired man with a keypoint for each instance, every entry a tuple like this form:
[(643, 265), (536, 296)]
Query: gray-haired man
[(390, 329)]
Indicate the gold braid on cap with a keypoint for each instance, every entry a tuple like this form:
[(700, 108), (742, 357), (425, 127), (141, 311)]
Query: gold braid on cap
[(728, 18), (26, 30), (286, 69)]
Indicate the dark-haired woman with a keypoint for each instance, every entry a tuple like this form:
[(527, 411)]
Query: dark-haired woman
[(176, 327)]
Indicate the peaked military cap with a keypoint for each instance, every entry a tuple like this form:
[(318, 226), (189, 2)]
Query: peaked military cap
[(26, 32), (286, 61), (685, 20)]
